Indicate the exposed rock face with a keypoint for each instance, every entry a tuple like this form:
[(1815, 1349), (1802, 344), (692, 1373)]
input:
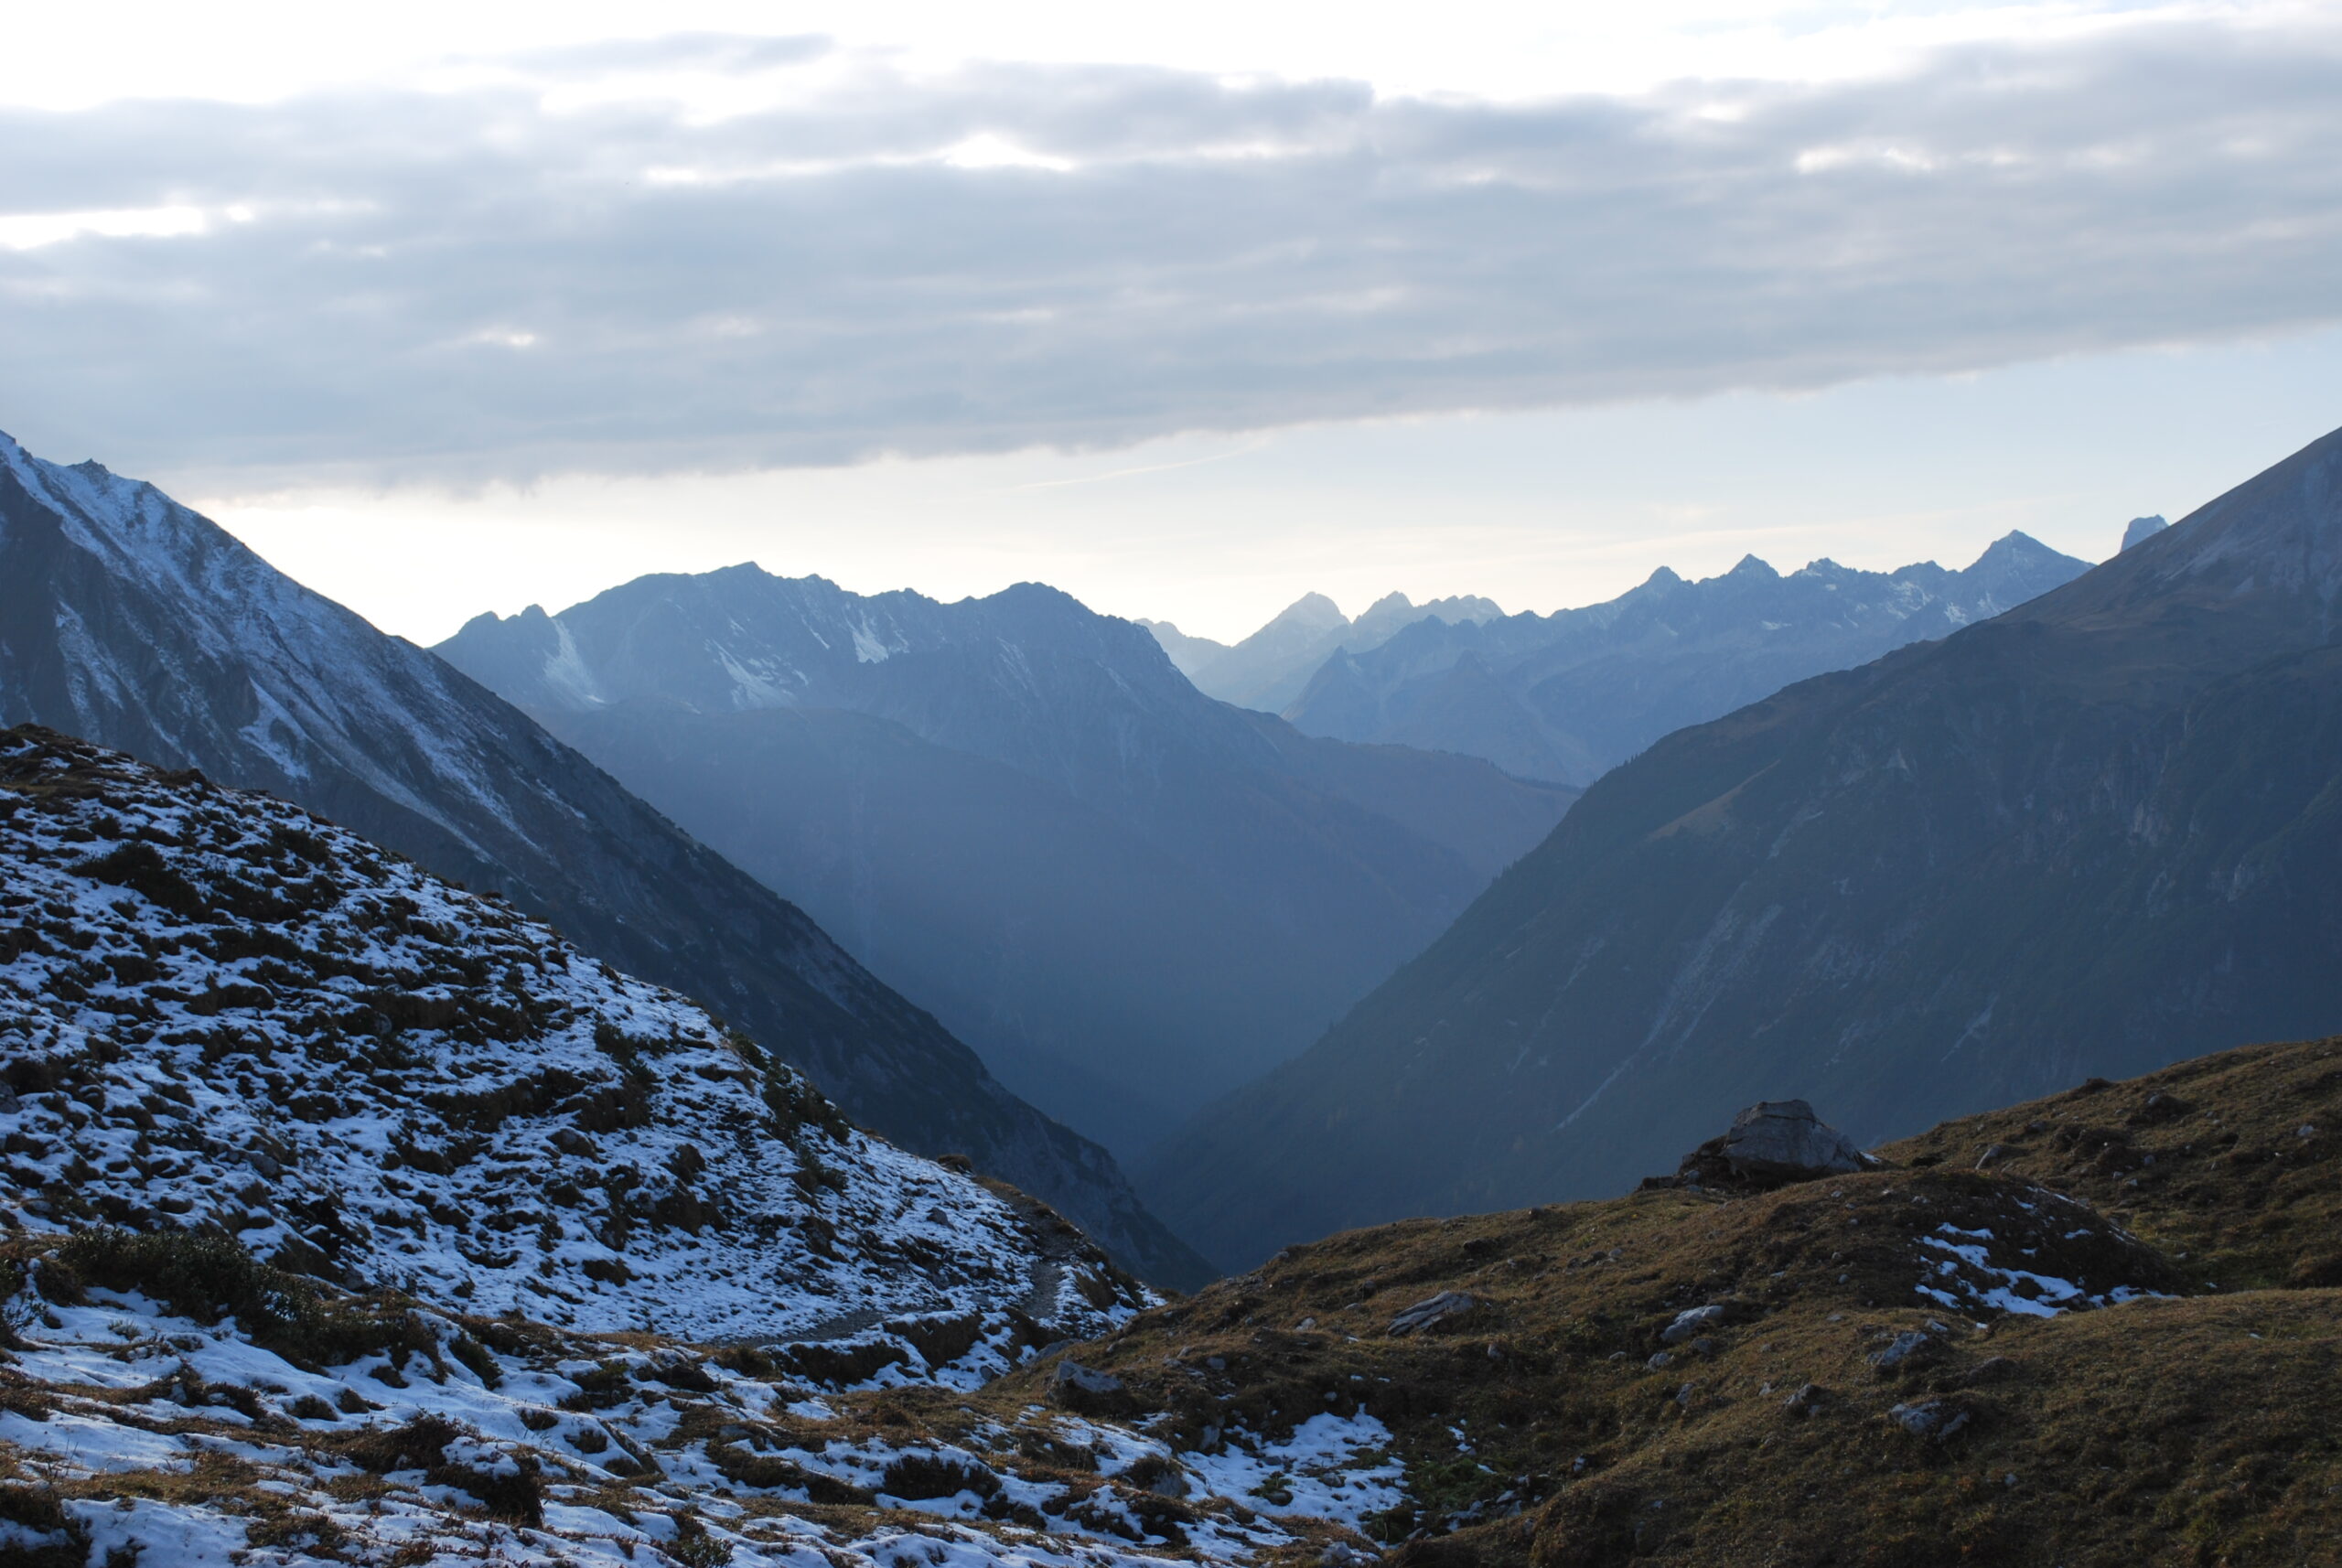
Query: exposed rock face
[(2142, 529), (126, 619)]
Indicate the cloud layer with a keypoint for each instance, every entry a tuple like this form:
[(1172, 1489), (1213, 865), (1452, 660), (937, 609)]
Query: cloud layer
[(539, 273)]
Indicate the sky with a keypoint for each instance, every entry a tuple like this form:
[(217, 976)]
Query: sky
[(455, 308)]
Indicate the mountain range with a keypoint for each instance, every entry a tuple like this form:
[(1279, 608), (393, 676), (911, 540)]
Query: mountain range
[(1268, 670), (126, 619), (2090, 835), (1570, 695), (1128, 897)]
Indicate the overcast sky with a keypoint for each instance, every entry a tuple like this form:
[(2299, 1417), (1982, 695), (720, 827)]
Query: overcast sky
[(449, 309)]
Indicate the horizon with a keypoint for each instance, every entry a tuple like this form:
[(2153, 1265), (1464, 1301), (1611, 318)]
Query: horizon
[(1187, 316)]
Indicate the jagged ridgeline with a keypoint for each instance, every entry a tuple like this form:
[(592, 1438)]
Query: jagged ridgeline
[(220, 1012)]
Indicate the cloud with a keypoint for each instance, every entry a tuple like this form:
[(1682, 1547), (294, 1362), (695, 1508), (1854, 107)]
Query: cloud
[(500, 282)]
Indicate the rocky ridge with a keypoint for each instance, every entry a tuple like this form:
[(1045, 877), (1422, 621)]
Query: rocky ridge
[(1570, 695)]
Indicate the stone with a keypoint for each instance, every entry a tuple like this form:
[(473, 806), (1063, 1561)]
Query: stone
[(1444, 1307), (1994, 1155), (1783, 1140), (1935, 1420), (1808, 1398), (1658, 1360), (1077, 1386), (1690, 1322), (1906, 1348)]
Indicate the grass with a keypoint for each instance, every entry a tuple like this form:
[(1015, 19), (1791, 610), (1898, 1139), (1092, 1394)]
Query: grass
[(2202, 1427)]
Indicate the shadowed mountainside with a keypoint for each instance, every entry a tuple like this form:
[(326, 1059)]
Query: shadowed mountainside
[(2091, 835), (1128, 897)]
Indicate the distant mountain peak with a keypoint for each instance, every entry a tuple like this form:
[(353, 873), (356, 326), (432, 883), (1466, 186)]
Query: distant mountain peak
[(1313, 610), (2143, 527)]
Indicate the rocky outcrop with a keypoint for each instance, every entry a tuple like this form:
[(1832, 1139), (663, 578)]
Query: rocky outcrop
[(1770, 1143)]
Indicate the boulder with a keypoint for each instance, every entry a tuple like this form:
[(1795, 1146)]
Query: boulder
[(1771, 1143), (1783, 1140), (1906, 1349), (1934, 1420), (1688, 1323), (1075, 1387), (1447, 1306)]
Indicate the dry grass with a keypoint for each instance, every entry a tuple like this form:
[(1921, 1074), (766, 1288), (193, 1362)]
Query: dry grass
[(2202, 1428)]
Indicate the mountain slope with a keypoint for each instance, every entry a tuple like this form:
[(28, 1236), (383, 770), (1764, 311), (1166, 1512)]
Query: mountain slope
[(1570, 695), (223, 1011), (128, 618), (2072, 1355), (1129, 897), (2091, 835)]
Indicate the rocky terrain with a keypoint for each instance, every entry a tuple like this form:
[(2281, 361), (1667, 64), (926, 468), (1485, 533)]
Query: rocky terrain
[(1129, 897), (2092, 1328), (221, 1011), (126, 619), (347, 1217), (2088, 836)]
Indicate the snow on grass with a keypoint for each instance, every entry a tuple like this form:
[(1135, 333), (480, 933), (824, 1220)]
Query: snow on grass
[(1333, 1468)]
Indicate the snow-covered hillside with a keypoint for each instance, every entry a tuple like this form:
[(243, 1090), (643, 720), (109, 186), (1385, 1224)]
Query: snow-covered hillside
[(129, 619), (172, 1402), (220, 1010), (347, 1216)]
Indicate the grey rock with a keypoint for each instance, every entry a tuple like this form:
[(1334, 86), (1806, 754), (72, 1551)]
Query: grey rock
[(264, 1163), (1073, 1383), (1446, 1306), (1906, 1348), (1991, 1154), (1783, 1140), (1934, 1420), (1660, 1360), (1808, 1398), (1690, 1322)]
